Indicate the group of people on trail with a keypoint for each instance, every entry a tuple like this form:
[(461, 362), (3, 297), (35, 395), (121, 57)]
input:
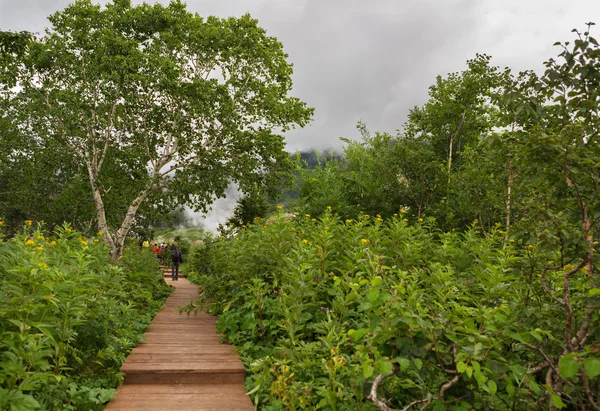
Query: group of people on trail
[(163, 254), (156, 249)]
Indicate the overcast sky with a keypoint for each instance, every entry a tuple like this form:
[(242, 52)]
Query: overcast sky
[(373, 60)]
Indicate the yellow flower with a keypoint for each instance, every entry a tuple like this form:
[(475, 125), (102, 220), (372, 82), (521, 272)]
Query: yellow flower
[(29, 242), (28, 223), (68, 230), (43, 265), (306, 215), (1, 223), (403, 211), (96, 240), (365, 241), (100, 233), (53, 242), (395, 214), (40, 237), (379, 219), (378, 216), (279, 207), (313, 219), (305, 241), (329, 207), (405, 220), (326, 228), (348, 221), (366, 215), (420, 219), (568, 267), (83, 242), (39, 248)]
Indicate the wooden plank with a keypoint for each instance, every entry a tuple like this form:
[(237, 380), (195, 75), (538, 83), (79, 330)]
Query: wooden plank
[(182, 365)]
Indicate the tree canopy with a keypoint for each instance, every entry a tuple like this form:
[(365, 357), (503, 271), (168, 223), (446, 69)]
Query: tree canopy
[(153, 102)]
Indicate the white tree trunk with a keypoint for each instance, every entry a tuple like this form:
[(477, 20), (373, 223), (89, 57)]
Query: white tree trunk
[(119, 242)]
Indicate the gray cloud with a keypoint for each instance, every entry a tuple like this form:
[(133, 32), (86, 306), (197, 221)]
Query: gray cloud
[(373, 60)]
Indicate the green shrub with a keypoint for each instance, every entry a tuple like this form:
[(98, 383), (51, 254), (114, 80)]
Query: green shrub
[(69, 318), (327, 312)]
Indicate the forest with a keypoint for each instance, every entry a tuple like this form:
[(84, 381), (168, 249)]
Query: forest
[(452, 266)]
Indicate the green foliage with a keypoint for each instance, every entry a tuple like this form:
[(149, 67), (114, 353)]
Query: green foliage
[(556, 140), (247, 209), (322, 184), (69, 318), (442, 165), (323, 309), (154, 105)]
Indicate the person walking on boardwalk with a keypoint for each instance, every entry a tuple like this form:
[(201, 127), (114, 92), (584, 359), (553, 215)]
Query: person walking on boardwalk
[(176, 259)]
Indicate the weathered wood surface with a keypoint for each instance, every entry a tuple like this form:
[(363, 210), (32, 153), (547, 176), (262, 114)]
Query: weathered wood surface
[(181, 365)]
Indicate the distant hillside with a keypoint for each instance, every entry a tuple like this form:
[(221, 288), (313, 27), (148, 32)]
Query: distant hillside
[(311, 156)]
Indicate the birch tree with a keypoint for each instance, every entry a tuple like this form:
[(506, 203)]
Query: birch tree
[(153, 98)]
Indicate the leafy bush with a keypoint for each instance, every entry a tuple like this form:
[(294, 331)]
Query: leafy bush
[(364, 314), (69, 318)]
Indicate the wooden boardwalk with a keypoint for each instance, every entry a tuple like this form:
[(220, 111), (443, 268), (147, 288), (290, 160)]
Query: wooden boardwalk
[(182, 365)]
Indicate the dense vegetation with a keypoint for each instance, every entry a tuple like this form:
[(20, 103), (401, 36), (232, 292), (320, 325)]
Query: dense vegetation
[(453, 266), (69, 318), (119, 104)]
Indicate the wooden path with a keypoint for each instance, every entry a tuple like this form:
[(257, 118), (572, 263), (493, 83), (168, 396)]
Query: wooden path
[(182, 365)]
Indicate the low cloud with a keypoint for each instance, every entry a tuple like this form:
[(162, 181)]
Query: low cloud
[(220, 211)]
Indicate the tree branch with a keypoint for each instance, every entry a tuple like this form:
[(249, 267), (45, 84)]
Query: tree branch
[(373, 394), (427, 401), (108, 133)]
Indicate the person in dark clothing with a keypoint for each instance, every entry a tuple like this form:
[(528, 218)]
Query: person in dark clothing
[(176, 259)]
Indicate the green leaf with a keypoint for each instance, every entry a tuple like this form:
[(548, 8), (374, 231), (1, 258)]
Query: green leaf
[(557, 401), (375, 321), (515, 336), (23, 402), (536, 335), (567, 367), (351, 297), (534, 386), (385, 367), (492, 387), (253, 390), (418, 363), (461, 367), (592, 367), (373, 294), (404, 364), (357, 334), (593, 292), (510, 388), (367, 370)]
